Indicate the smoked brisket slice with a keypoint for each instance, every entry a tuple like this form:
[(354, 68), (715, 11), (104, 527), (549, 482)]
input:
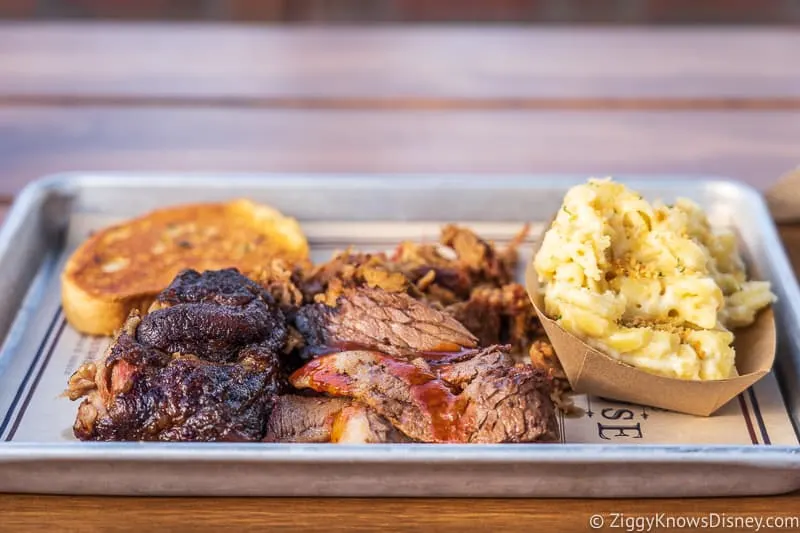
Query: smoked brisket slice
[(373, 319), (473, 397), (297, 418)]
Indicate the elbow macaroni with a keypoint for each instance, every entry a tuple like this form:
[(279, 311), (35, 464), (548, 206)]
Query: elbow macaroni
[(651, 285)]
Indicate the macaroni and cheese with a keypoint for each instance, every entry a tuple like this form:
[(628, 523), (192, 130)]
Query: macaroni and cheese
[(652, 285)]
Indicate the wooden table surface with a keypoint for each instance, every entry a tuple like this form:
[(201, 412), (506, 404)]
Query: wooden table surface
[(701, 101)]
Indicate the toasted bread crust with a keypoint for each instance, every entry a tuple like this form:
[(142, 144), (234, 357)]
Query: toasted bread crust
[(94, 316), (125, 266)]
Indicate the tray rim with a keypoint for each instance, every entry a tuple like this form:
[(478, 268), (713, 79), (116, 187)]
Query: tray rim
[(757, 455), (64, 181), (77, 178)]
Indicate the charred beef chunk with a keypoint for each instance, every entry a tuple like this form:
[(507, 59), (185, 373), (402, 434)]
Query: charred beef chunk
[(393, 323), (141, 393), (203, 365), (212, 332), (213, 315), (223, 287), (324, 419), (473, 397)]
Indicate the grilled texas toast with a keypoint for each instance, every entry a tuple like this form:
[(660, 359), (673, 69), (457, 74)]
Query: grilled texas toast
[(125, 266)]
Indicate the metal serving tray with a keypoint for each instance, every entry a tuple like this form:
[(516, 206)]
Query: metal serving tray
[(32, 243)]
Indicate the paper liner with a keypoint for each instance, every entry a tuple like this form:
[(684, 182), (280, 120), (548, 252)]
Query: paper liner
[(593, 372)]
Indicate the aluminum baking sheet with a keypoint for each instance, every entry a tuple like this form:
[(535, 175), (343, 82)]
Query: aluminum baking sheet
[(611, 449)]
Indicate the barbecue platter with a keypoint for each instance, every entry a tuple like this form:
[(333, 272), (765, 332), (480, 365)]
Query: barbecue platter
[(433, 343), (374, 336), (423, 345)]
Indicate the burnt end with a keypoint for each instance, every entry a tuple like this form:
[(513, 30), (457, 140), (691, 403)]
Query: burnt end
[(211, 331), (224, 287), (393, 323), (191, 400), (204, 365), (213, 315)]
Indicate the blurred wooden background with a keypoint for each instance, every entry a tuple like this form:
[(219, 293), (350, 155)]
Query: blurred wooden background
[(378, 11)]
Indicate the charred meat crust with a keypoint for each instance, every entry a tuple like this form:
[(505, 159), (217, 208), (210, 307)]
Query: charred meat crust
[(146, 394), (203, 366), (189, 400), (393, 323), (212, 332), (213, 315), (223, 287)]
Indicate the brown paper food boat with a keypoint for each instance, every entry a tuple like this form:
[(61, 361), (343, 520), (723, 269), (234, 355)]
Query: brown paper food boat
[(590, 371)]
